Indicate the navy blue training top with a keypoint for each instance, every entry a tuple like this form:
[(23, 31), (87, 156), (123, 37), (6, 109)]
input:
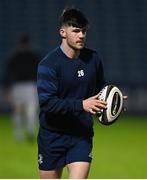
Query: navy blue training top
[(63, 83)]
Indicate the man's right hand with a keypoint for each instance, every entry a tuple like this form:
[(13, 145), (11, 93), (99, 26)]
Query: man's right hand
[(93, 104)]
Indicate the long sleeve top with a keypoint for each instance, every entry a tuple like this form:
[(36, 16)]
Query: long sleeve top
[(63, 83)]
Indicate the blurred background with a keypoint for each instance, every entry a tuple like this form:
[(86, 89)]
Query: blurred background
[(118, 30)]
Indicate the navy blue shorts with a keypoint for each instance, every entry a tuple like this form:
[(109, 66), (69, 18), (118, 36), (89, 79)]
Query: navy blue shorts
[(55, 150)]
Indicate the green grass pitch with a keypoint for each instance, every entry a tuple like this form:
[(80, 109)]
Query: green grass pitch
[(120, 151)]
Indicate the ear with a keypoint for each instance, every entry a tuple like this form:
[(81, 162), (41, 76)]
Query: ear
[(62, 33)]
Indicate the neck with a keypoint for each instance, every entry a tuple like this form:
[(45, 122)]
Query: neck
[(70, 52)]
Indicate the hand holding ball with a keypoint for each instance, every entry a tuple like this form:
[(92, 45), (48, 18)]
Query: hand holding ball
[(114, 98)]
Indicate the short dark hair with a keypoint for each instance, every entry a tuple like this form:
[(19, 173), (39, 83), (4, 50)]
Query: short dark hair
[(73, 17)]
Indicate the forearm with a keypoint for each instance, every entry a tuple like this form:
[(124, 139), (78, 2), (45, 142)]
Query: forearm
[(63, 106)]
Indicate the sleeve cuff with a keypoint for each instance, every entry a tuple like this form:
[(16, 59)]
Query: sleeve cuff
[(78, 105)]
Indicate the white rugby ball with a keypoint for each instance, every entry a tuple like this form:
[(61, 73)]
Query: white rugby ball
[(114, 98)]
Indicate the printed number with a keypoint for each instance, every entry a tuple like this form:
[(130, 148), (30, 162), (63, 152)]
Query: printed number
[(80, 73)]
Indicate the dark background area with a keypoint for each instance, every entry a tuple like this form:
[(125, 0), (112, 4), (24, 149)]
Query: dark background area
[(118, 30)]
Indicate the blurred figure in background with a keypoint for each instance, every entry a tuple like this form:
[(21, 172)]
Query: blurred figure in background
[(20, 81)]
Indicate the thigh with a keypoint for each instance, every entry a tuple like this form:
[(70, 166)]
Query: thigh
[(30, 111), (79, 157), (80, 150), (78, 170), (51, 151), (52, 174)]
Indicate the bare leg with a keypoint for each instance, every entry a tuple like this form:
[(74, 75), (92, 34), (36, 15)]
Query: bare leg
[(78, 170), (31, 118), (52, 174), (17, 121)]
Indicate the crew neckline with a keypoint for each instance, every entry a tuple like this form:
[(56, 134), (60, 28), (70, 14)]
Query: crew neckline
[(71, 59)]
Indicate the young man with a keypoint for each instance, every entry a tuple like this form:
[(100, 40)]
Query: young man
[(69, 80)]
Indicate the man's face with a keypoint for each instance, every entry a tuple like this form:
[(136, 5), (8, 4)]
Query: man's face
[(74, 36)]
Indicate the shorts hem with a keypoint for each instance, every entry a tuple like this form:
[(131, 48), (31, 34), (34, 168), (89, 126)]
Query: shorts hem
[(72, 161), (51, 168)]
